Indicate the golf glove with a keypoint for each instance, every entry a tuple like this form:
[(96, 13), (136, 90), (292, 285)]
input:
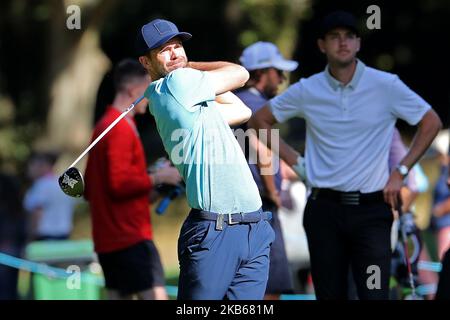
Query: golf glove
[(300, 168)]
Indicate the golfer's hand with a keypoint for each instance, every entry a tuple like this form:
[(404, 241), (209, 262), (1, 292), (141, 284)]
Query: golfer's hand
[(392, 189), (167, 175), (300, 168)]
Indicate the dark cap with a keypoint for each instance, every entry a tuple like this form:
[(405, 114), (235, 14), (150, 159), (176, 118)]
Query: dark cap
[(338, 19), (156, 33)]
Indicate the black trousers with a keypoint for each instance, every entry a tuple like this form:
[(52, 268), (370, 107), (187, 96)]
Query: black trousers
[(340, 236)]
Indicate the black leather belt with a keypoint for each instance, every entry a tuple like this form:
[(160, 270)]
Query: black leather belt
[(232, 218), (353, 198)]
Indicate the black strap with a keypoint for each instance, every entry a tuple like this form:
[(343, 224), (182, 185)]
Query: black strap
[(348, 198)]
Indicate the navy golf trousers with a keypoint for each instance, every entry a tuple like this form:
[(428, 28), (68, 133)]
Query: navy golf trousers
[(232, 263)]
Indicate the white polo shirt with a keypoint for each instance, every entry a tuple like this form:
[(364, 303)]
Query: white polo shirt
[(349, 128), (57, 208)]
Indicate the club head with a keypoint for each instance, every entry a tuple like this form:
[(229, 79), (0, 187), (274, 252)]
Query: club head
[(72, 183)]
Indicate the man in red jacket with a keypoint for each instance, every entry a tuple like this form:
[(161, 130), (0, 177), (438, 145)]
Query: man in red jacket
[(118, 189)]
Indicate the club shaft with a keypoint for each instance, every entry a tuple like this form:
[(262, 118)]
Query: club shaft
[(408, 262), (124, 113)]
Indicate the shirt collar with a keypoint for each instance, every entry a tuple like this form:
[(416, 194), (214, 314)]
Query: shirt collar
[(335, 84)]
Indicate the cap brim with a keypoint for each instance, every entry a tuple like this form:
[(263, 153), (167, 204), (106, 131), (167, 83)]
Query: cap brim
[(183, 35), (350, 27), (285, 65)]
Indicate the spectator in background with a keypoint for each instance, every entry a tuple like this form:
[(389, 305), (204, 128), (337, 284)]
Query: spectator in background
[(266, 65), (12, 233), (440, 220), (443, 290), (50, 210), (118, 190)]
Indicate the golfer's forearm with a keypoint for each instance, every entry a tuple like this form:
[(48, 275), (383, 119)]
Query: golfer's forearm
[(209, 66), (428, 129), (225, 76), (233, 114), (232, 109), (228, 98)]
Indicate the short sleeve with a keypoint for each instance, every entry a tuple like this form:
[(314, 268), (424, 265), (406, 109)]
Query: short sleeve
[(288, 104), (190, 87), (406, 104)]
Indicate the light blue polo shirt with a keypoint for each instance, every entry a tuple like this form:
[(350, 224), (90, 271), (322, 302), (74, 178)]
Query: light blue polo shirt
[(201, 144), (349, 128)]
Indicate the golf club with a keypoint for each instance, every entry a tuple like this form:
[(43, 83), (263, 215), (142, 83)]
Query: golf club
[(71, 181), (403, 226)]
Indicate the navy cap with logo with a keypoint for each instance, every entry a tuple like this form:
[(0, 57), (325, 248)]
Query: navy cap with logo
[(156, 33), (338, 19)]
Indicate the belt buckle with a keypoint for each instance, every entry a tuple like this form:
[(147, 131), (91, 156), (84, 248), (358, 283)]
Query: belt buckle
[(351, 199), (230, 220)]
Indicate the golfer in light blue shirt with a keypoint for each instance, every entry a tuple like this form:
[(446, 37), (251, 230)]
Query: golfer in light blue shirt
[(224, 244)]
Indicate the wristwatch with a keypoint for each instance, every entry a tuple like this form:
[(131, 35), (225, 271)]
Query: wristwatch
[(403, 170)]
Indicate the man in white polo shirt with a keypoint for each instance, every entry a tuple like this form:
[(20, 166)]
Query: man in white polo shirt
[(350, 112)]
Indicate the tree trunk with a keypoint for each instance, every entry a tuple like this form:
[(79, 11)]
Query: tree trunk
[(76, 67)]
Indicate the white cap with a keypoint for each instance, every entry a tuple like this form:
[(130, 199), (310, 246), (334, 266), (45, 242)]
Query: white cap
[(262, 55)]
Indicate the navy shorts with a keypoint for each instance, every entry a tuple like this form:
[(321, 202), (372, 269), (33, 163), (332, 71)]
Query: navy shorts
[(133, 269)]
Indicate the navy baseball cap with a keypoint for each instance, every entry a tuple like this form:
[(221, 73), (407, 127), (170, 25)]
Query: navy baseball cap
[(338, 19), (156, 33)]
